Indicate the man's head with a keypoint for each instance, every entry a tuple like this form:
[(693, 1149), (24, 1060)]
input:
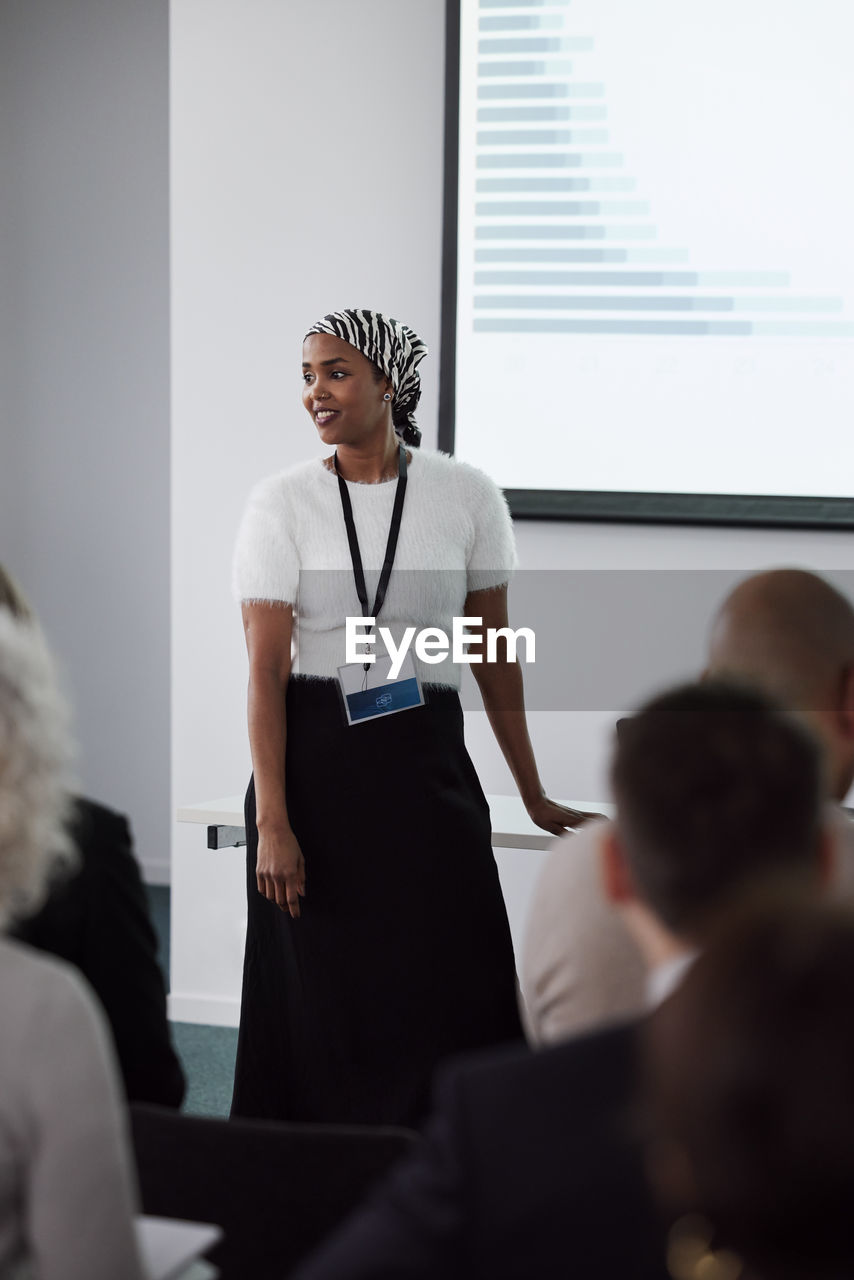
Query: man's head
[(792, 634), (716, 786)]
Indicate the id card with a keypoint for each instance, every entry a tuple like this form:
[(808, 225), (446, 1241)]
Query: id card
[(369, 694)]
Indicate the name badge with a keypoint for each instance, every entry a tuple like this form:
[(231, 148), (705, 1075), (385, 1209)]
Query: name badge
[(370, 694)]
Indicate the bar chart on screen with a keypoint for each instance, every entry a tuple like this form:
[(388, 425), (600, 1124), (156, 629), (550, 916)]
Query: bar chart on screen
[(651, 244)]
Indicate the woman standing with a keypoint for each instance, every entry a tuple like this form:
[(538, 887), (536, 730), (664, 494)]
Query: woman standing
[(377, 939)]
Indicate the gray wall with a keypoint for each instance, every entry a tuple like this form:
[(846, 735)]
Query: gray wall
[(10, 533), (84, 324)]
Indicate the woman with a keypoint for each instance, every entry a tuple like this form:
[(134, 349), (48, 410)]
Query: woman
[(97, 919), (377, 939), (66, 1186)]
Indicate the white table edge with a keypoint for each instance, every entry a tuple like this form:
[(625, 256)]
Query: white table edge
[(512, 828)]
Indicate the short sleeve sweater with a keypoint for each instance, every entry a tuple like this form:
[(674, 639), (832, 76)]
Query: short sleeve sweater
[(456, 536)]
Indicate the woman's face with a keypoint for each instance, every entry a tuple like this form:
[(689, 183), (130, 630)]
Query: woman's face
[(341, 391)]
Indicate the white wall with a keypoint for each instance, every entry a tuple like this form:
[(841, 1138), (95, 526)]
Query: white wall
[(573, 747), (84, 324), (306, 176)]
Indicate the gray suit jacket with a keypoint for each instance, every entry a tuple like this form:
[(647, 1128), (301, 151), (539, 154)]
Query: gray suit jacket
[(66, 1180), (580, 966), (531, 1168)]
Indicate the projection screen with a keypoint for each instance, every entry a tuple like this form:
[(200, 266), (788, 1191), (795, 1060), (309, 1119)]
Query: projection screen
[(648, 293)]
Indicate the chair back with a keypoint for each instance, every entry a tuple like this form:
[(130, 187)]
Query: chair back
[(277, 1190)]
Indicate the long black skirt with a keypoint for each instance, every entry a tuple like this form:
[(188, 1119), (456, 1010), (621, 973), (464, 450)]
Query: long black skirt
[(402, 954)]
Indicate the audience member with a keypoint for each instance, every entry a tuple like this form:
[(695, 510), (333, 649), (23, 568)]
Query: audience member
[(97, 919), (531, 1165), (750, 1080), (66, 1186), (791, 634)]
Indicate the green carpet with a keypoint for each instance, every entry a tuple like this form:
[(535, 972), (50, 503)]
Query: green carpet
[(207, 1053)]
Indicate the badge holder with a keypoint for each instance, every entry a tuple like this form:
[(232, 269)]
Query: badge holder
[(369, 693)]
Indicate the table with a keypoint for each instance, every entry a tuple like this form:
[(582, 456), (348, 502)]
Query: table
[(511, 826)]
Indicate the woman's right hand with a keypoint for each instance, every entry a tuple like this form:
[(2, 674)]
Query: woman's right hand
[(280, 871)]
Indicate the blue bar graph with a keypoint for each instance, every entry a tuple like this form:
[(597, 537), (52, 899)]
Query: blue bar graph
[(637, 279), (531, 115), (549, 160), (541, 90), (607, 182), (567, 231), (520, 22), (539, 137), (665, 328), (521, 68), (521, 254), (647, 302), (523, 92), (559, 208), (535, 44)]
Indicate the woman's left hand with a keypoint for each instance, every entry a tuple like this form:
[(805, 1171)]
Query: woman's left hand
[(555, 817)]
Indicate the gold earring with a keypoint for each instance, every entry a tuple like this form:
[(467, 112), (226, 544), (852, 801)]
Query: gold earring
[(690, 1255)]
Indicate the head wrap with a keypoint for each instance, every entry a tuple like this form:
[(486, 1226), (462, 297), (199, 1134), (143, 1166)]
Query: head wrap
[(394, 348)]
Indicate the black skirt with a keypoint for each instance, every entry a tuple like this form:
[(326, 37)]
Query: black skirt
[(402, 954)]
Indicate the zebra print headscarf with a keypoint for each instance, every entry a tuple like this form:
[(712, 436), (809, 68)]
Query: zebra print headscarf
[(394, 348)]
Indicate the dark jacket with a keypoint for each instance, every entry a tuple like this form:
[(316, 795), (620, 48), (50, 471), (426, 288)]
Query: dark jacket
[(98, 920), (530, 1169)]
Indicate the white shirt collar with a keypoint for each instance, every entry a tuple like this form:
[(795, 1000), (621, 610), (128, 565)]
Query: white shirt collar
[(664, 978)]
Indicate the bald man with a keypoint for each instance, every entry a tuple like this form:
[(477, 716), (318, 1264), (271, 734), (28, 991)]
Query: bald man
[(792, 634)]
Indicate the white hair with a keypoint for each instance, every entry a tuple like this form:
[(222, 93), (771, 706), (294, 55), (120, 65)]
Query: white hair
[(35, 768)]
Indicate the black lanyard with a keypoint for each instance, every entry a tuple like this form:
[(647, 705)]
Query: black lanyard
[(391, 545)]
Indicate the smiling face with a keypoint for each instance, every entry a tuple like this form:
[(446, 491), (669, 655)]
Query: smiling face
[(342, 393)]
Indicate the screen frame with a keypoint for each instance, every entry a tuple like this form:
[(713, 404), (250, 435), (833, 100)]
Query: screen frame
[(590, 505)]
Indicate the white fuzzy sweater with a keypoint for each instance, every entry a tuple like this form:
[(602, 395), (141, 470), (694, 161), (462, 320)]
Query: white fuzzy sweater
[(456, 536)]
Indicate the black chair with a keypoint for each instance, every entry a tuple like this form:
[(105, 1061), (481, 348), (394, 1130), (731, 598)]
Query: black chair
[(275, 1189)]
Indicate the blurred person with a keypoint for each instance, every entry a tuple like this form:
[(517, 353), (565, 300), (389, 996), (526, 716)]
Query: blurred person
[(531, 1164), (66, 1183), (750, 1095), (791, 634), (97, 918)]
